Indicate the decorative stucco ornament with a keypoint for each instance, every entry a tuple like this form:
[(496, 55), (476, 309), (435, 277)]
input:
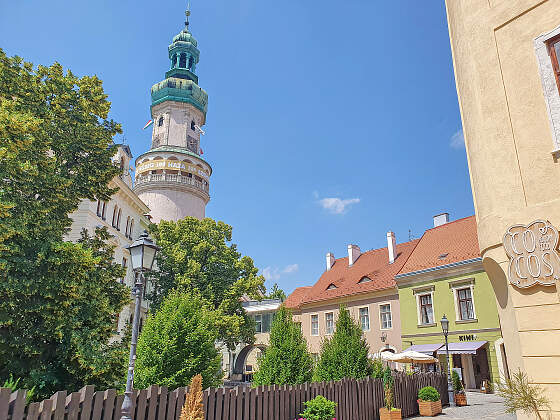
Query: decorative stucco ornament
[(533, 254)]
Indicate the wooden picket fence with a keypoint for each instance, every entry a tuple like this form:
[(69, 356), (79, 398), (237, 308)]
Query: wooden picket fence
[(356, 400)]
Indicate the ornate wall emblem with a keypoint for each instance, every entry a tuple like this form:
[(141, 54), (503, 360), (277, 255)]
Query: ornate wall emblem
[(533, 254)]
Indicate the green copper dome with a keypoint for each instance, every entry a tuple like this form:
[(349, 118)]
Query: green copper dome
[(185, 36), (181, 81)]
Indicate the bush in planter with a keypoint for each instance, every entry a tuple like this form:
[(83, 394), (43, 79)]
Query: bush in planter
[(428, 393), (319, 408)]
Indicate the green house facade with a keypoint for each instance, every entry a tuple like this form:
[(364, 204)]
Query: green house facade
[(444, 276)]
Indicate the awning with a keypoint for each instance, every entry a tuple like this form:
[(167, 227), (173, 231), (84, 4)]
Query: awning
[(425, 348), (465, 347)]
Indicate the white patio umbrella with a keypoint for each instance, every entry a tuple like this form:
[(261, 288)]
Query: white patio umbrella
[(410, 357)]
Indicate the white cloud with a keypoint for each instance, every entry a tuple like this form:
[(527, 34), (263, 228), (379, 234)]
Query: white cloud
[(292, 268), (274, 273), (457, 140), (271, 273), (337, 205)]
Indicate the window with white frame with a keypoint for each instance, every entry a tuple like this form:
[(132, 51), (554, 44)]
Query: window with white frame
[(329, 322), (364, 318), (465, 302), (314, 324), (386, 316), (426, 309)]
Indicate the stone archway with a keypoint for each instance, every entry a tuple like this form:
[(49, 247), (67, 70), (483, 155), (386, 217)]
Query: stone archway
[(242, 357)]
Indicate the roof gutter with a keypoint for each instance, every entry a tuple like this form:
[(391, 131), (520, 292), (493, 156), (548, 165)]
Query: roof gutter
[(441, 267)]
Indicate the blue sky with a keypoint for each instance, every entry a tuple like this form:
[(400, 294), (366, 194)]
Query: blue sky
[(328, 123)]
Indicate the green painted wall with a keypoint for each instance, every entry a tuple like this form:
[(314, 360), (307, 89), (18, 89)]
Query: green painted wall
[(443, 303)]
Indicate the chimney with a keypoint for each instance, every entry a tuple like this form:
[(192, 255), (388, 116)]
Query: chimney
[(330, 260), (391, 246), (353, 254), (441, 219)]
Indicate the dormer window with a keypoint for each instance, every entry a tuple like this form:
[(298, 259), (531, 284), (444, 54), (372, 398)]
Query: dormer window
[(364, 279), (443, 256), (331, 286)]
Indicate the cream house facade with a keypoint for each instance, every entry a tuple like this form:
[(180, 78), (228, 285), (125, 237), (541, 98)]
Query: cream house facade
[(505, 55), (124, 216)]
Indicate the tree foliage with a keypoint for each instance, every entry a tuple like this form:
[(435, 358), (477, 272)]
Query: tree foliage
[(197, 255), (286, 361), (276, 293), (57, 299), (345, 354), (319, 408), (178, 342)]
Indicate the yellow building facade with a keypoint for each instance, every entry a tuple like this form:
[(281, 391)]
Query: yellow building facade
[(507, 74)]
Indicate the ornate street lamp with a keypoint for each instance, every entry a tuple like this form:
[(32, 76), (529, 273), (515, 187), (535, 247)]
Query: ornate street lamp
[(142, 254), (445, 328)]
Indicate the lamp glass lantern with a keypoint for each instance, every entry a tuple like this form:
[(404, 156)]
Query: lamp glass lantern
[(445, 325), (142, 253)]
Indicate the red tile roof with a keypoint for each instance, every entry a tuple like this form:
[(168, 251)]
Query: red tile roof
[(296, 297), (449, 243), (373, 264)]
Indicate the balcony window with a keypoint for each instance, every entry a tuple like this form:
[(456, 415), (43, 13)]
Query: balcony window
[(329, 321), (553, 46), (314, 324), (364, 318)]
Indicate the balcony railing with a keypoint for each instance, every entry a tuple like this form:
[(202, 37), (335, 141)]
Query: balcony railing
[(180, 179)]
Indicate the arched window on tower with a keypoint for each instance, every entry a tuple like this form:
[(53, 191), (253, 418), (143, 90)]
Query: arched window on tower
[(175, 60), (193, 125), (99, 207), (122, 163), (104, 212), (191, 61), (183, 60), (127, 225), (131, 228), (160, 121)]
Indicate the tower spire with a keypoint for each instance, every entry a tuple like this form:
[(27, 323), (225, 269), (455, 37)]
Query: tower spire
[(187, 14)]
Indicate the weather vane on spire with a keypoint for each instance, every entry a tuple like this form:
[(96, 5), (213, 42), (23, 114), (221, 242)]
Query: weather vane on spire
[(188, 13)]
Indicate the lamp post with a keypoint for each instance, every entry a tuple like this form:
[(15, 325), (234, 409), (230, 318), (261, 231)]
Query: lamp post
[(142, 255), (445, 327)]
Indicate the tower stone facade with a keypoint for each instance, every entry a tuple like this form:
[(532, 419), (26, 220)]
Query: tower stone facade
[(172, 178)]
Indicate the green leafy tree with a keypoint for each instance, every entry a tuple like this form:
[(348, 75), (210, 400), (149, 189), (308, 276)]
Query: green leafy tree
[(178, 342), (345, 354), (286, 361), (197, 255), (276, 293), (57, 299)]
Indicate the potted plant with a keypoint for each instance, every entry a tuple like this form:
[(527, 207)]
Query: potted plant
[(458, 390), (429, 401), (389, 412)]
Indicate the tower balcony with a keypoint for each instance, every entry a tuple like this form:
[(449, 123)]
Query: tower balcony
[(177, 180)]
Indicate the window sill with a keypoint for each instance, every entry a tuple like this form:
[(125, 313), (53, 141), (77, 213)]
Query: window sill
[(427, 325), (466, 321), (386, 329)]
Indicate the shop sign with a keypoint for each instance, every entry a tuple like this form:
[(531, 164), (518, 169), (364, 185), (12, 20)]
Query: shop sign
[(468, 337), (177, 165), (533, 254)]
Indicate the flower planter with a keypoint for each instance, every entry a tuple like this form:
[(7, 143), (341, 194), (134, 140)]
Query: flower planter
[(429, 408), (460, 400), (394, 414)]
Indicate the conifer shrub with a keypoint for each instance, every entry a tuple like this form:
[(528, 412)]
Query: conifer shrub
[(388, 383), (345, 354), (286, 361), (193, 409), (428, 393), (457, 383)]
